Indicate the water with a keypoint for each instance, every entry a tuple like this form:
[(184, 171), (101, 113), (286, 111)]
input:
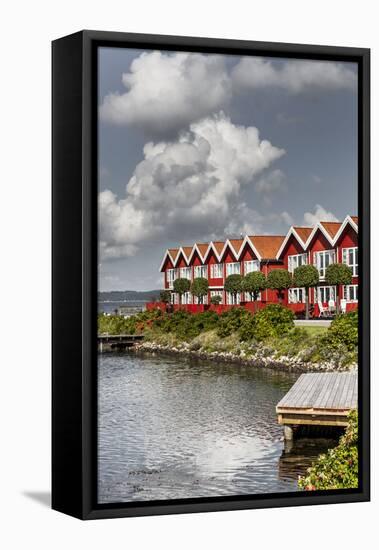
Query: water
[(110, 306), (178, 428)]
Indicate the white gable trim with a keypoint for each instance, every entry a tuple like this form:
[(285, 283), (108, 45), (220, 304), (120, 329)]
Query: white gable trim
[(164, 259), (323, 231), (346, 221), (291, 231), (195, 248)]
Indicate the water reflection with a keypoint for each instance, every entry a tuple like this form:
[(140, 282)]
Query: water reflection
[(171, 428), (298, 455)]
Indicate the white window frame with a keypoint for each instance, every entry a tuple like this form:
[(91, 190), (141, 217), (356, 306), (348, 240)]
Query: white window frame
[(317, 260), (322, 290), (229, 299), (185, 273), (248, 297), (171, 276), (296, 260), (196, 300), (233, 268), (296, 295), (250, 266), (187, 298), (217, 271), (346, 294), (200, 271), (218, 293), (346, 259)]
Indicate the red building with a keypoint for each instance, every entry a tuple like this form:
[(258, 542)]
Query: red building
[(320, 245)]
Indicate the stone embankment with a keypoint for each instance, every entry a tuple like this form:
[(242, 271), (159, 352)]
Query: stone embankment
[(259, 357)]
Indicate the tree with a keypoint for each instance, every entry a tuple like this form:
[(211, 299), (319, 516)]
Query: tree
[(279, 280), (306, 276), (233, 284), (165, 296), (199, 288), (337, 275), (216, 300), (253, 283), (181, 286)]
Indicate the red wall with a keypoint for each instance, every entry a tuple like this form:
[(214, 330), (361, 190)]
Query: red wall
[(349, 238)]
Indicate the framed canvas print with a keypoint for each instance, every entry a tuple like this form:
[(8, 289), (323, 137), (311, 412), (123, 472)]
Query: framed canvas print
[(210, 275)]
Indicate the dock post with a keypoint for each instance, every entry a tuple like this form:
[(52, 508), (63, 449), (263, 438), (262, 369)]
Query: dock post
[(288, 433)]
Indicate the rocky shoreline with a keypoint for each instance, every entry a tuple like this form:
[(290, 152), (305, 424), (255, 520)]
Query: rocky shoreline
[(258, 359)]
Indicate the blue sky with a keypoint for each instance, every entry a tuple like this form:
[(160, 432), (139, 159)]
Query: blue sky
[(194, 147)]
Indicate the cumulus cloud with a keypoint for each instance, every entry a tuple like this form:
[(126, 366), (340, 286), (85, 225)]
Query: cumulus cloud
[(166, 92), (319, 214), (189, 187), (294, 76)]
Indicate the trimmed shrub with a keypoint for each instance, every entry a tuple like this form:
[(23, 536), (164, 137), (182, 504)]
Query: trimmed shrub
[(216, 300), (233, 284), (279, 280), (199, 288), (253, 283), (338, 274), (338, 468), (306, 276), (181, 286)]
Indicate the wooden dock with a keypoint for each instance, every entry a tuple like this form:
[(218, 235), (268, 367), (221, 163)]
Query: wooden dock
[(109, 342), (315, 399)]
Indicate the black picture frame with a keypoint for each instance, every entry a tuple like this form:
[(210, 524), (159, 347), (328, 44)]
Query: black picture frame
[(74, 272)]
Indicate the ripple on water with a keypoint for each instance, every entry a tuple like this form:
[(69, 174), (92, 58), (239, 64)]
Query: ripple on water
[(177, 428)]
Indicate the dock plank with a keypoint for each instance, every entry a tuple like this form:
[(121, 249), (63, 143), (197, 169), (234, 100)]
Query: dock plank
[(322, 391), (321, 399)]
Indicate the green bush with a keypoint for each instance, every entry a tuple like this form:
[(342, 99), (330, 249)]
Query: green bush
[(117, 324), (272, 321), (338, 468), (230, 321), (343, 331), (186, 326), (199, 288), (165, 296), (279, 280), (233, 284), (181, 286)]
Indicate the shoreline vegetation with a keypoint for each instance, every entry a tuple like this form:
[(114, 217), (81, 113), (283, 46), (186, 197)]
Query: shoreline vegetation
[(267, 338), (338, 468)]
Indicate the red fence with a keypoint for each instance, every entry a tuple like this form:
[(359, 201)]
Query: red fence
[(198, 308)]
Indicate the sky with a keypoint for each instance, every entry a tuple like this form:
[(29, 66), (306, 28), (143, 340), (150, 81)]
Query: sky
[(194, 147)]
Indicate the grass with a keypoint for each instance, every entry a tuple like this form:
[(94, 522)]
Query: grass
[(314, 331)]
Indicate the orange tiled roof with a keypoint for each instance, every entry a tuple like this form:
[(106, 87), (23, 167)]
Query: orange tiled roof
[(187, 251), (331, 227), (173, 253), (303, 232), (267, 245), (236, 244), (219, 245), (203, 247), (355, 219)]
